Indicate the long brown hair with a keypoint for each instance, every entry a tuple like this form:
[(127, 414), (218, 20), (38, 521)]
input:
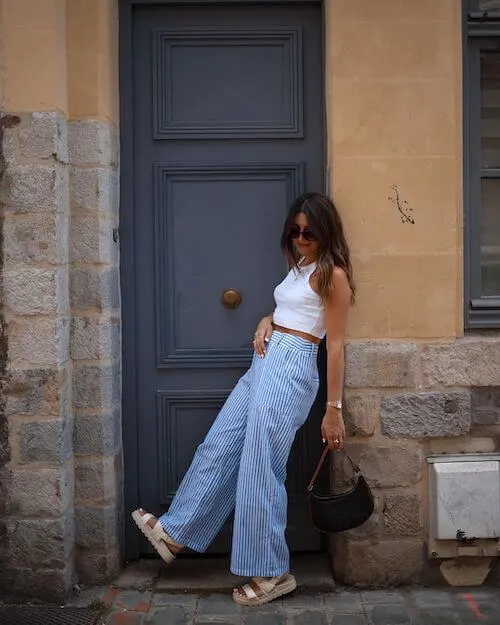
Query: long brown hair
[(324, 222)]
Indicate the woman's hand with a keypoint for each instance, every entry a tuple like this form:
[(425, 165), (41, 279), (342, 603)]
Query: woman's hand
[(333, 428), (262, 336)]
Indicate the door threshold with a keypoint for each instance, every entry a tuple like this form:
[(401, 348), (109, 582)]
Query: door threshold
[(210, 574)]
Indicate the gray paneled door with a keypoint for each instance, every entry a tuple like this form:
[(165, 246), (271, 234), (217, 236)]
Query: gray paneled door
[(227, 129)]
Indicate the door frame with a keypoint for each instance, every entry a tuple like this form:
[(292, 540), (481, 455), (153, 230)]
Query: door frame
[(130, 420)]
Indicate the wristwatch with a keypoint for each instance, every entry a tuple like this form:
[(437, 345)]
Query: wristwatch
[(334, 404)]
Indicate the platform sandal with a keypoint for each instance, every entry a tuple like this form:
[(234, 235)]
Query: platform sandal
[(260, 590), (152, 529)]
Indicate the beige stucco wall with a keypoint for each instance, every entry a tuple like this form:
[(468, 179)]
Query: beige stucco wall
[(393, 84), (60, 55)]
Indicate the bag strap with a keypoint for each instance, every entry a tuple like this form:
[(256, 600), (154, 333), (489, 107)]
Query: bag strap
[(355, 467)]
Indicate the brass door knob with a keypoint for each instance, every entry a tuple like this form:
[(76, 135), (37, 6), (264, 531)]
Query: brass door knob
[(231, 298)]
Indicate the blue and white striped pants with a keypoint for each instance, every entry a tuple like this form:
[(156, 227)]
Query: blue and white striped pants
[(241, 464)]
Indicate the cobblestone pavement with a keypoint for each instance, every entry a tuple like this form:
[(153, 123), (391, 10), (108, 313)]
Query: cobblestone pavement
[(410, 606)]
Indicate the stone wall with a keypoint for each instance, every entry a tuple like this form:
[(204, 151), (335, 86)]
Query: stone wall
[(404, 402), (60, 437), (61, 307)]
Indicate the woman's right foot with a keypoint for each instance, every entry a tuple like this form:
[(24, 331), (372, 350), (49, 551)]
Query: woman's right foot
[(152, 529)]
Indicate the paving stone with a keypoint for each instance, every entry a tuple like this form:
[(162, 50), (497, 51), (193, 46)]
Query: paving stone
[(167, 598), (381, 596), (308, 617), (390, 615), (126, 618), (269, 619), (475, 610), (344, 602), (218, 605), (273, 607), (428, 599), (349, 619), (132, 600), (171, 615), (440, 616), (302, 601), (213, 621)]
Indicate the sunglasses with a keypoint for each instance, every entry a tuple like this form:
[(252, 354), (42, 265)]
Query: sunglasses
[(307, 235)]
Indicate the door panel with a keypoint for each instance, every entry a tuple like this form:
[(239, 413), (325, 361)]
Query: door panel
[(227, 106)]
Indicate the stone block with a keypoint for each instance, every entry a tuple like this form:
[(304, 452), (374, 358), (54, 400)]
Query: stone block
[(485, 406), (463, 445), (52, 585), (45, 441), (377, 563), (10, 147), (420, 415), (98, 567), (94, 288), (97, 434), (91, 240), (485, 416), (32, 291), (361, 413), (36, 238), (97, 481), (38, 342), (95, 338), (35, 189), (481, 397), (41, 492), (465, 362), (402, 515), (386, 465), (381, 365), (371, 527), (41, 392), (40, 543), (45, 137), (96, 386), (91, 142), (94, 190), (142, 575), (97, 527)]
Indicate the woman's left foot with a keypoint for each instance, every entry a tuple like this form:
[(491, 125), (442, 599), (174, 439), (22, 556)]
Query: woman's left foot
[(260, 590)]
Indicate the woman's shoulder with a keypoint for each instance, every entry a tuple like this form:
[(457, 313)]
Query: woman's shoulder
[(339, 275), (340, 285)]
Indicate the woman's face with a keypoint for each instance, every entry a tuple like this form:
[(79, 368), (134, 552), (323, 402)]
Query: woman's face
[(302, 237)]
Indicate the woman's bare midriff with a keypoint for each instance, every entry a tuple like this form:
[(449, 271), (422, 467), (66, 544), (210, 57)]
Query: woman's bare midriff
[(302, 335)]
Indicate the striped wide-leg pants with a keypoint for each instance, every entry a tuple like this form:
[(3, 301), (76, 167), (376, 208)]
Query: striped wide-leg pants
[(241, 464)]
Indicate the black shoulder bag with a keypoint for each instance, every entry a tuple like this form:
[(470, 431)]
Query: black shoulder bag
[(336, 512)]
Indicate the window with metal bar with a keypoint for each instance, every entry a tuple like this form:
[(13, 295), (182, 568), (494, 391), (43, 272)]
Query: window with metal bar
[(482, 163)]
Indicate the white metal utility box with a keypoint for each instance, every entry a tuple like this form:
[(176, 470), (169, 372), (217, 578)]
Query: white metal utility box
[(464, 505)]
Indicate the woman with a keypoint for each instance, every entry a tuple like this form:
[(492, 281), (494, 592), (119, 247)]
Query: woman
[(241, 464)]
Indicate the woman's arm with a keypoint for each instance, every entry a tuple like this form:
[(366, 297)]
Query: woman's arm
[(336, 313)]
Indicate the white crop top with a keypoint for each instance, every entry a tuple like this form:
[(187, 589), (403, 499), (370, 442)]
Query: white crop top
[(298, 307)]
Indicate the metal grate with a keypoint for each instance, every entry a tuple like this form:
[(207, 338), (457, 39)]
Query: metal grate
[(47, 615)]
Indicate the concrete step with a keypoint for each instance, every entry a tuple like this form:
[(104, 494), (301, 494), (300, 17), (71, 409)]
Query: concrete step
[(200, 575)]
